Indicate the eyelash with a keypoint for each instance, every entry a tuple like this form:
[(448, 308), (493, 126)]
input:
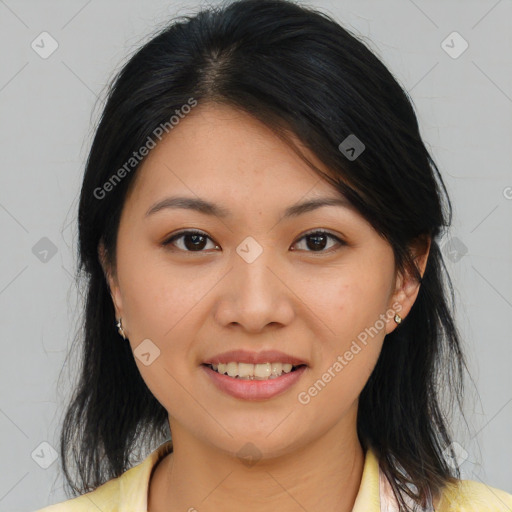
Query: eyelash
[(181, 234)]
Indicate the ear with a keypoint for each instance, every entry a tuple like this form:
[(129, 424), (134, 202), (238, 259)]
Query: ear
[(407, 286), (111, 279)]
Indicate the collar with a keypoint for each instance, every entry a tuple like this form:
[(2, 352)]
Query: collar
[(134, 483)]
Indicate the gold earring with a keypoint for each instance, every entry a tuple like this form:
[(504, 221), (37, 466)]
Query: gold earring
[(120, 328), (398, 318)]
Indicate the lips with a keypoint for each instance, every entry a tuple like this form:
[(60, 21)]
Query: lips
[(254, 375)]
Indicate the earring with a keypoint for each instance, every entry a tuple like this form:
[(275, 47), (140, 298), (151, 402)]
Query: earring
[(119, 326), (398, 318)]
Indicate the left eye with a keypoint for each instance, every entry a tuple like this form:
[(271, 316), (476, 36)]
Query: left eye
[(319, 238), (194, 241)]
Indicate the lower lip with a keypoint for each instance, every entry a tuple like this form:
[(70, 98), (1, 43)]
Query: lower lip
[(254, 389)]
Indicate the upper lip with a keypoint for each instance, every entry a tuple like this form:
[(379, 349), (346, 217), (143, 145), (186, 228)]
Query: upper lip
[(245, 356)]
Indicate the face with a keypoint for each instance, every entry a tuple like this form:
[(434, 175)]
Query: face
[(251, 280)]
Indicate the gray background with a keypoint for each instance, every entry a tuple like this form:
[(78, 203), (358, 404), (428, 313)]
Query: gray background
[(48, 107)]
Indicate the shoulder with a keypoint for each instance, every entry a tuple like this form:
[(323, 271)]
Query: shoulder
[(105, 498), (473, 496), (128, 491)]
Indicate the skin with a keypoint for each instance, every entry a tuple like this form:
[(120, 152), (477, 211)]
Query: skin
[(307, 302)]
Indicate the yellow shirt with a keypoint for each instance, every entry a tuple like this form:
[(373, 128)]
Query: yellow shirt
[(129, 492)]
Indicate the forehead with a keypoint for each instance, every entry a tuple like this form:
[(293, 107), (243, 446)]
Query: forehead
[(223, 153)]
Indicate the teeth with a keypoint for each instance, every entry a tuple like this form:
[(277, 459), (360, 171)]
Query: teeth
[(276, 368), (245, 370), (262, 371), (253, 371), (231, 369)]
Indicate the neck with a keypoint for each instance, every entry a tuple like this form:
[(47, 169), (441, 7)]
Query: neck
[(323, 475)]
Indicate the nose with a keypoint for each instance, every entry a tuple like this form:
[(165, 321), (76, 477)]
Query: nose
[(256, 294)]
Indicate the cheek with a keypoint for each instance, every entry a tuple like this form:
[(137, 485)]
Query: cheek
[(347, 300), (343, 365), (155, 296), (352, 331)]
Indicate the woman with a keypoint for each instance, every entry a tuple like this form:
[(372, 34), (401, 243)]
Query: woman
[(258, 225)]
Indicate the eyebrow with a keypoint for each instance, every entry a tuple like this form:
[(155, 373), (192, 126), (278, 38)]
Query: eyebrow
[(209, 208)]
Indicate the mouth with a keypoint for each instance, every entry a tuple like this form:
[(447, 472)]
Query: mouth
[(249, 371), (249, 375), (255, 383)]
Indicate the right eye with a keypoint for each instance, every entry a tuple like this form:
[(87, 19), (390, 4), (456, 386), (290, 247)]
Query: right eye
[(193, 241)]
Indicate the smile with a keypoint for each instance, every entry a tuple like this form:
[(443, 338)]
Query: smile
[(254, 384)]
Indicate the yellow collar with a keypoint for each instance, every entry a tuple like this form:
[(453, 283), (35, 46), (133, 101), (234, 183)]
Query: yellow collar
[(134, 483)]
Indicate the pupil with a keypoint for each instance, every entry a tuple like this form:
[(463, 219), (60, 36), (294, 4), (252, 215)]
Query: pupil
[(316, 243), (196, 238)]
